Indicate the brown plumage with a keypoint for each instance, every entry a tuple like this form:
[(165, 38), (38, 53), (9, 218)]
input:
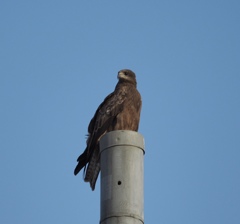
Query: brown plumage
[(120, 110)]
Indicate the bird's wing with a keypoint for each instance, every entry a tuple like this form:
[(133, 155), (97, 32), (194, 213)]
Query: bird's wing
[(104, 116), (99, 125), (102, 121)]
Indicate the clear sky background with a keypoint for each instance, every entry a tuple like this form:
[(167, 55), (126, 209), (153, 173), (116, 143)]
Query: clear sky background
[(58, 61)]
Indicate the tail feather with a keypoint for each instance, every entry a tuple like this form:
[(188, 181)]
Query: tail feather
[(93, 169), (95, 176)]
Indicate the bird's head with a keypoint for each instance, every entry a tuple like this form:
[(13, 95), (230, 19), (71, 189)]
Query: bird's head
[(127, 75)]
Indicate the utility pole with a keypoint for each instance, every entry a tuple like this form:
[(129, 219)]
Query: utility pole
[(122, 200)]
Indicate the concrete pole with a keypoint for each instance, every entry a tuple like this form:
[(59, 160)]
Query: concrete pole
[(122, 178)]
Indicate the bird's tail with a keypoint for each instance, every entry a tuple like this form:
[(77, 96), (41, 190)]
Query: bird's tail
[(93, 169), (82, 161)]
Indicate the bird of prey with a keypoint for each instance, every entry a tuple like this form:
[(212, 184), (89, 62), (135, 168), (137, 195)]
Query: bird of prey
[(120, 110)]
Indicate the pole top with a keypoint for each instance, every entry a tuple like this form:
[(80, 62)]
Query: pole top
[(122, 137)]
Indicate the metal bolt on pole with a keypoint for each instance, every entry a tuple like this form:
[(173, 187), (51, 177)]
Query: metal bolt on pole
[(122, 200)]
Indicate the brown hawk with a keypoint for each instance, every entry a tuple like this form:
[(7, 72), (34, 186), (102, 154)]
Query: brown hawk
[(120, 110)]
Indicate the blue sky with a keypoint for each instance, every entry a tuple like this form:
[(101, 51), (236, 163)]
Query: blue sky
[(58, 61)]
